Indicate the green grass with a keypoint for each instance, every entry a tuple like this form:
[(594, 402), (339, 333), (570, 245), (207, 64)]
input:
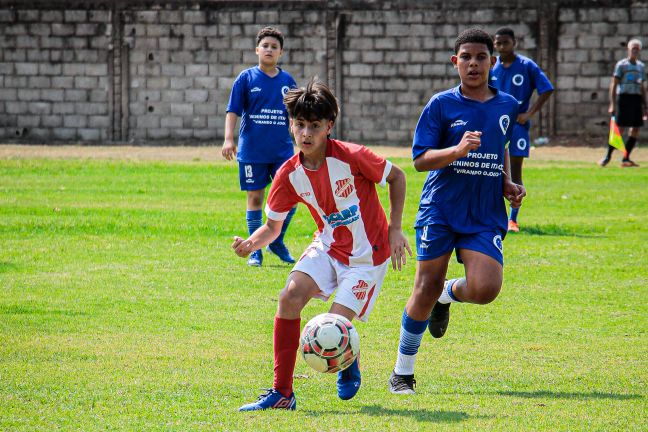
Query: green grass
[(122, 307)]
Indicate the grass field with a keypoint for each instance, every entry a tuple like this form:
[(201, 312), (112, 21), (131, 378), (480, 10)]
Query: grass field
[(122, 307)]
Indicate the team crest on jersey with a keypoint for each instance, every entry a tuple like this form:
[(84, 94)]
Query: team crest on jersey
[(343, 188), (518, 79), (504, 122), (360, 290), (284, 90)]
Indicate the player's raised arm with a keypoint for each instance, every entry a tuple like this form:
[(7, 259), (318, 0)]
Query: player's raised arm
[(398, 243), (260, 239)]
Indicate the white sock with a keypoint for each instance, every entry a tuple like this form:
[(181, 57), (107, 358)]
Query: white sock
[(405, 364), (446, 295)]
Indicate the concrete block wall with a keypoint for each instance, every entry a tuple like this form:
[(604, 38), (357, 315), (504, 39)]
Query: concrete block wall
[(160, 72), (53, 74)]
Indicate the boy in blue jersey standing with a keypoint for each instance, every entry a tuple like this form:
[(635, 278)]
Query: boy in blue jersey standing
[(518, 76), (461, 139), (264, 140)]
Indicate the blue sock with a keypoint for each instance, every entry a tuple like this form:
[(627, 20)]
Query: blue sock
[(284, 227), (412, 332), (514, 214), (254, 220)]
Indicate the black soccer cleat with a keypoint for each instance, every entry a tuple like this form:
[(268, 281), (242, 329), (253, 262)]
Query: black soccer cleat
[(439, 319), (402, 384)]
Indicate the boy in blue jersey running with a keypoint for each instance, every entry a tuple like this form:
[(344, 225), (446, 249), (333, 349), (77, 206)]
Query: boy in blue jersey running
[(461, 139), (518, 76), (264, 140)]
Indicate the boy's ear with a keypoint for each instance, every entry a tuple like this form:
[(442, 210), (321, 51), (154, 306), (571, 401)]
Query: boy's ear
[(493, 60), (453, 60), (329, 126)]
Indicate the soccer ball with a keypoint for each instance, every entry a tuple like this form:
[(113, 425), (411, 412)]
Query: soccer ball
[(329, 343)]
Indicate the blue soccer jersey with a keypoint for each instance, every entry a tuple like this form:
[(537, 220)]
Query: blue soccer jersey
[(258, 99), (466, 195), (519, 80)]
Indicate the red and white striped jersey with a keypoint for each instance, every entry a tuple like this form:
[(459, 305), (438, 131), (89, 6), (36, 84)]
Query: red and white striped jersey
[(341, 196)]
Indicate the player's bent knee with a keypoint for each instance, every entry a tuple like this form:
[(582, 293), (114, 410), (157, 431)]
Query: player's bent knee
[(486, 294)]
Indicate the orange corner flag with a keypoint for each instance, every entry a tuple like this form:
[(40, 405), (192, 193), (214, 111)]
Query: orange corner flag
[(615, 139)]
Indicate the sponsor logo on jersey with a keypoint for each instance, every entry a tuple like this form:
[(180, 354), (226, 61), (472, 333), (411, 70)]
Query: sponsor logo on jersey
[(343, 188), (497, 241), (343, 217), (360, 290), (493, 78), (504, 122), (517, 79), (305, 194), (458, 123), (255, 89)]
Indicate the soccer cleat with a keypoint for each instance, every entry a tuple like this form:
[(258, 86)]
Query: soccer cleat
[(629, 164), (349, 381), (604, 161), (513, 226), (281, 251), (256, 259), (439, 319), (402, 384), (271, 399)]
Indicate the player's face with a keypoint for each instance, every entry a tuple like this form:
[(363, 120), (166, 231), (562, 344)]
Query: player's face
[(473, 61), (269, 50), (633, 51), (504, 45), (310, 136)]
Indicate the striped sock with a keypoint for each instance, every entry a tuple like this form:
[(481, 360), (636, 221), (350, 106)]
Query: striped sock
[(447, 296), (412, 332), (254, 220)]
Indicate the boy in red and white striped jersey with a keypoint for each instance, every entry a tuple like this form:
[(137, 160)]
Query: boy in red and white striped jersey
[(354, 242)]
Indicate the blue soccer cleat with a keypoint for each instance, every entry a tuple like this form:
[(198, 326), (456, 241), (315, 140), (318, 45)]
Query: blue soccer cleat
[(349, 381), (271, 399), (256, 259), (281, 251)]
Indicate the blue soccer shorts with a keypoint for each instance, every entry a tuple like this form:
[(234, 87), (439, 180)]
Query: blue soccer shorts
[(520, 142), (433, 241), (255, 176)]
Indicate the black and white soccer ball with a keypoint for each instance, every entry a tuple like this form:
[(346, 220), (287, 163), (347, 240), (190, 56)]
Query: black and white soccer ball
[(329, 343)]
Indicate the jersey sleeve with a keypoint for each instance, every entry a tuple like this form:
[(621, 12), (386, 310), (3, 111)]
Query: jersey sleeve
[(427, 134), (542, 83), (618, 72), (236, 102), (372, 166), (281, 198)]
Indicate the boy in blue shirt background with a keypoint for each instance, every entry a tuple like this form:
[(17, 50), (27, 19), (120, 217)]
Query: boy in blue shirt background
[(461, 139), (264, 142), (518, 76)]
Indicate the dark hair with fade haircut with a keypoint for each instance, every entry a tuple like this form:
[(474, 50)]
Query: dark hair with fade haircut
[(505, 31), (270, 32), (311, 103), (474, 35)]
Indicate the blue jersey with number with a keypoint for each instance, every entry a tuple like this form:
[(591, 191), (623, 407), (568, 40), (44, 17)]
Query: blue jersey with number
[(467, 194), (258, 99), (519, 80)]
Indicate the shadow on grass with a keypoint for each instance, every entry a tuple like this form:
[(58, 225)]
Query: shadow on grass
[(6, 267), (547, 394), (419, 415), (558, 230), (26, 310)]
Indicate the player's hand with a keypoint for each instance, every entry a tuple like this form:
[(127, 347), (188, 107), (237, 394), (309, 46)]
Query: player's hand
[(471, 140), (398, 244), (522, 118), (514, 193), (242, 247), (229, 150), (611, 109)]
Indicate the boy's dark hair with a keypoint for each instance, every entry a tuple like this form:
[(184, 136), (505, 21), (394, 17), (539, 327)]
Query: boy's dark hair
[(474, 35), (314, 102), (505, 31), (270, 32)]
